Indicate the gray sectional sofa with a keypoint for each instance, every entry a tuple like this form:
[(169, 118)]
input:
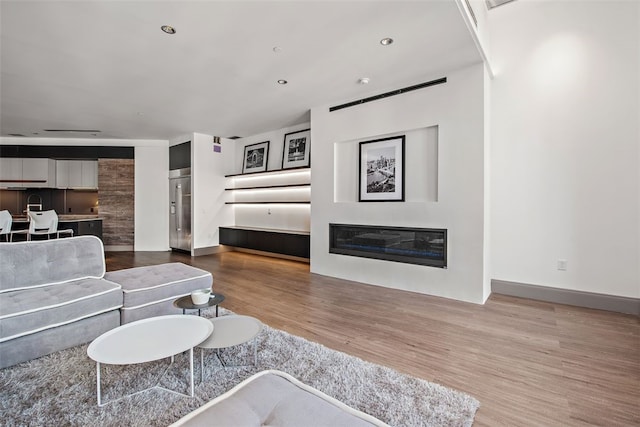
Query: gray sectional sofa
[(54, 294)]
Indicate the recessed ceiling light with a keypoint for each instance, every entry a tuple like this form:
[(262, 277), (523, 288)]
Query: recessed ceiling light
[(363, 80), (168, 29), (386, 41), (282, 82)]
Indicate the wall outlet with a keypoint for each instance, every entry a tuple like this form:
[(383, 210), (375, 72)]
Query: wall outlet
[(562, 264)]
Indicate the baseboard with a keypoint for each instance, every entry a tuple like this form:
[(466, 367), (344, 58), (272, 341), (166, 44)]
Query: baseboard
[(210, 250), (272, 255), (567, 296)]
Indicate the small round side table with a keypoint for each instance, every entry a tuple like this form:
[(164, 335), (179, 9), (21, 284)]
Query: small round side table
[(185, 303)]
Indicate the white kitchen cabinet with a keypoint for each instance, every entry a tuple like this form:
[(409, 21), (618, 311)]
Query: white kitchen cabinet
[(10, 172), (38, 173), (27, 173), (89, 174), (77, 174), (62, 173)]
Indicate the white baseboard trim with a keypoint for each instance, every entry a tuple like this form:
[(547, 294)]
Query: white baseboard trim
[(210, 250), (272, 254), (567, 296)]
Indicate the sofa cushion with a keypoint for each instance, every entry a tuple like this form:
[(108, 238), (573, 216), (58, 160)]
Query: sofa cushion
[(50, 340), (28, 311), (42, 263), (147, 285), (274, 398)]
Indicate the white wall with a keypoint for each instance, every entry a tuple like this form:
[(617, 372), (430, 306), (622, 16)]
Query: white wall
[(478, 28), (456, 108), (207, 193), (565, 146), (151, 191), (151, 197)]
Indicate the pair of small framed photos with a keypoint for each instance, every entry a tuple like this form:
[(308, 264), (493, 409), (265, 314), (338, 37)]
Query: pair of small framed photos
[(296, 153)]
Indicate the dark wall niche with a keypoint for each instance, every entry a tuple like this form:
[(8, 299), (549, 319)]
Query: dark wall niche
[(180, 156)]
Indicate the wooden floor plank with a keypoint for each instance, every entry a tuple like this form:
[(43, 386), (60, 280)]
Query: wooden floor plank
[(529, 363)]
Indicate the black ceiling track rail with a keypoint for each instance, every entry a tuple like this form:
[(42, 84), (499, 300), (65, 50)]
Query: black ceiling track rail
[(388, 94)]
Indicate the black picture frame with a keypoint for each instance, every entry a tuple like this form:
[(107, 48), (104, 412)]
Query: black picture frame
[(381, 170), (255, 157), (296, 149)]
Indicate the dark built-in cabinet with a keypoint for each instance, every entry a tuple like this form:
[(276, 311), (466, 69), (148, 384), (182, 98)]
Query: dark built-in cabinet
[(83, 227), (283, 242)]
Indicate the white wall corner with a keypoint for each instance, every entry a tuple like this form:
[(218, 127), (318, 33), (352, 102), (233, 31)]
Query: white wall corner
[(208, 190), (478, 28)]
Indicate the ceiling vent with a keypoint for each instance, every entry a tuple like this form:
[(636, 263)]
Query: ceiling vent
[(495, 3)]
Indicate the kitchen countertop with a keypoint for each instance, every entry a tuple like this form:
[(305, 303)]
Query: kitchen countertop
[(62, 218)]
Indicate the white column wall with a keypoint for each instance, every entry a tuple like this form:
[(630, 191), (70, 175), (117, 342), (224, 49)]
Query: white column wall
[(151, 197), (207, 193), (565, 147), (457, 109)]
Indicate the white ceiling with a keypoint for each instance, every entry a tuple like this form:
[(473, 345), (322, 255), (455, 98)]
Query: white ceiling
[(106, 65)]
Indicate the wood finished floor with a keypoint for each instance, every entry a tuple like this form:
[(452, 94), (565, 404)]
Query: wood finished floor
[(529, 363)]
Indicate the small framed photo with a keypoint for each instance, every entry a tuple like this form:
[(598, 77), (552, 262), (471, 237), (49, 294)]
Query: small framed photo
[(255, 157), (297, 149), (381, 170)]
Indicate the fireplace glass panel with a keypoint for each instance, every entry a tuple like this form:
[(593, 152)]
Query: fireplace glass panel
[(424, 246)]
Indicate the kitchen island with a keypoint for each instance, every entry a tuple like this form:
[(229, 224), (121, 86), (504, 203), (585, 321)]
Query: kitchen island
[(82, 225)]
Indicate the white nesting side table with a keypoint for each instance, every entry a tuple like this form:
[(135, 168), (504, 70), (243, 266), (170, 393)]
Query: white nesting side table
[(230, 331), (147, 340)]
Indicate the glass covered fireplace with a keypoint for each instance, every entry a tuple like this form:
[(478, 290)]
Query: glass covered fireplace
[(424, 246)]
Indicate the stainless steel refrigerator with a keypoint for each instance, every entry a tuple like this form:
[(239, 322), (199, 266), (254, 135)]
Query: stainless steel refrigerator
[(180, 209)]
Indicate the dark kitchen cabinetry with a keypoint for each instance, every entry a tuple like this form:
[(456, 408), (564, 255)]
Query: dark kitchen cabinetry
[(283, 242), (90, 228), (81, 227)]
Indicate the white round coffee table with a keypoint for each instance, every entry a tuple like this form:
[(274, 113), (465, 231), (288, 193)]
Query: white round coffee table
[(147, 340), (230, 331)]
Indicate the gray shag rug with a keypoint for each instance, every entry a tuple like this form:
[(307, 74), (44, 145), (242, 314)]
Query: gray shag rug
[(60, 389)]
